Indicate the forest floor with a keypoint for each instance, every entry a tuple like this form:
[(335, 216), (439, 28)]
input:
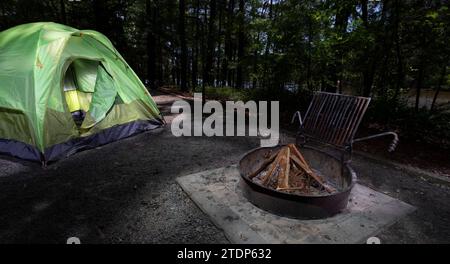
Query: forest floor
[(125, 192), (410, 153)]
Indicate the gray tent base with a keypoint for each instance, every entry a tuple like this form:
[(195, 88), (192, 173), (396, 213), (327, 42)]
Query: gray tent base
[(24, 151)]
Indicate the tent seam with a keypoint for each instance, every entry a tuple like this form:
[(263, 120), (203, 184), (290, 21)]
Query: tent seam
[(36, 133)]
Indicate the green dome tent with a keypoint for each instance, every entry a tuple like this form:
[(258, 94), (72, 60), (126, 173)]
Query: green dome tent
[(63, 90)]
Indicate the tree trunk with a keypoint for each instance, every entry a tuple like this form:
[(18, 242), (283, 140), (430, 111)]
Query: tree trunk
[(63, 12), (241, 44), (266, 67), (159, 62), (3, 22), (370, 56), (419, 83), (120, 17), (384, 73), (183, 55), (364, 13), (227, 73), (101, 16), (255, 64), (196, 50), (151, 63), (438, 89), (367, 79), (268, 36), (219, 44), (309, 60), (368, 76), (204, 50), (343, 12), (210, 43), (400, 77)]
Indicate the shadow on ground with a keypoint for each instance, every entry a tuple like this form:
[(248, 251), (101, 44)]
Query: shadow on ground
[(125, 192), (120, 192)]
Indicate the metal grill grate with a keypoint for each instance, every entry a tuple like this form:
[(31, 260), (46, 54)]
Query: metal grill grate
[(334, 118)]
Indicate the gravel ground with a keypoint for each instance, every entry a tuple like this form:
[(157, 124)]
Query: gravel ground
[(125, 192), (430, 223)]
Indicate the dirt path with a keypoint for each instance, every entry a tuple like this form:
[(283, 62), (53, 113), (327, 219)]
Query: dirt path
[(125, 192)]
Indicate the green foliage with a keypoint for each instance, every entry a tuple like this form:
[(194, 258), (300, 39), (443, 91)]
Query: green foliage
[(425, 126), (383, 49), (226, 93)]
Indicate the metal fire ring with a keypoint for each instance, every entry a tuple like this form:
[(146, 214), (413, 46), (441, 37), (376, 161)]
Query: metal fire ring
[(295, 205)]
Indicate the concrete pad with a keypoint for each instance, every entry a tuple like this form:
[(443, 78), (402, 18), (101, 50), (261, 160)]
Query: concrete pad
[(218, 194)]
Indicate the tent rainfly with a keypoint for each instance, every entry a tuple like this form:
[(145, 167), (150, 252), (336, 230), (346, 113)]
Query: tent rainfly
[(63, 90)]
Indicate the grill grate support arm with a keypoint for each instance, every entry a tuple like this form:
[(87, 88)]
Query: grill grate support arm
[(391, 147)]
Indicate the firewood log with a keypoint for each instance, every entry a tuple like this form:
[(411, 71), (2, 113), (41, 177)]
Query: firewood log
[(272, 168), (263, 166), (310, 173), (288, 170), (297, 154), (285, 164)]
